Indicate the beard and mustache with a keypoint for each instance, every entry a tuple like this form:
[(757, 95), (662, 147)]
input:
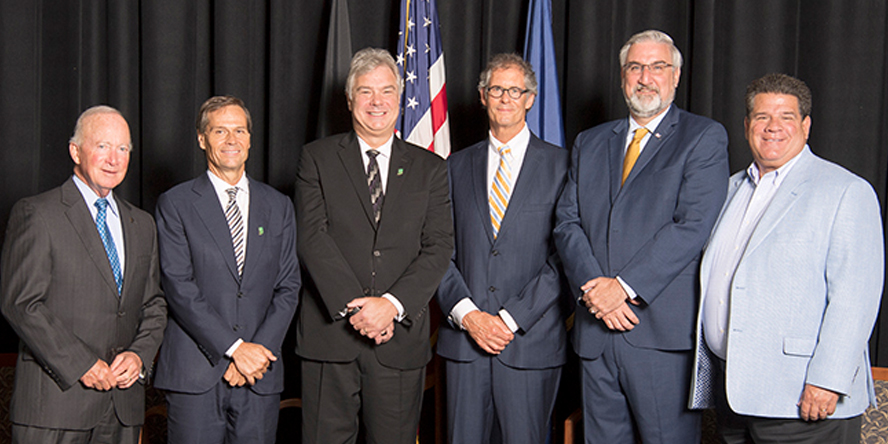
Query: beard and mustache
[(647, 106)]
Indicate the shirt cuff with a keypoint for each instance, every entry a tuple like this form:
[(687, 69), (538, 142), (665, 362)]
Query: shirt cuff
[(233, 347), (507, 318), (629, 291), (460, 310), (391, 298)]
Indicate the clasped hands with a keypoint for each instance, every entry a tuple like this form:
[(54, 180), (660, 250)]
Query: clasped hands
[(122, 373), (373, 317), (490, 332), (249, 362), (607, 300)]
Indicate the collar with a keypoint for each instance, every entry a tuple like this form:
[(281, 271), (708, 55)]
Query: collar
[(91, 197)]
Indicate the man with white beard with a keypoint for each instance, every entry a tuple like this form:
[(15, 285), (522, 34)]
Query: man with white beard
[(641, 198)]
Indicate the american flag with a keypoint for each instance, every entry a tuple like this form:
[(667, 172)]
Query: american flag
[(424, 120)]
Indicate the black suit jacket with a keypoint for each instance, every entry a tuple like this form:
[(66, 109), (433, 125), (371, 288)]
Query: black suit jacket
[(348, 256), (60, 297)]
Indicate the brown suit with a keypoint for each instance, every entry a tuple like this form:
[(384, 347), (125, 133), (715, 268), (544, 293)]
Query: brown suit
[(59, 294)]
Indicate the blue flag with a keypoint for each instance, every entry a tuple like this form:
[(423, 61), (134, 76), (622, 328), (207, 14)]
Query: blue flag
[(544, 118)]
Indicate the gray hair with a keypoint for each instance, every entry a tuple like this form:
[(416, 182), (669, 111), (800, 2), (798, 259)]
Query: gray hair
[(509, 60), (776, 83), (651, 35), (367, 60), (77, 138)]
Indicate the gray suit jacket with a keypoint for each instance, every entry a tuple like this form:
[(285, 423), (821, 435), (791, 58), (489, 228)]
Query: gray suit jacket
[(60, 297), (805, 295)]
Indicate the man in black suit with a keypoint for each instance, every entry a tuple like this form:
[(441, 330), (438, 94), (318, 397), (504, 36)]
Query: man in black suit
[(375, 235), (81, 288)]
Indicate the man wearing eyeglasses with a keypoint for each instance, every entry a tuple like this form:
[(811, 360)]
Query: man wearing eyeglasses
[(641, 198), (505, 341)]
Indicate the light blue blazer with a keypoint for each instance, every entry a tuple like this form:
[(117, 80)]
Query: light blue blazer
[(804, 297)]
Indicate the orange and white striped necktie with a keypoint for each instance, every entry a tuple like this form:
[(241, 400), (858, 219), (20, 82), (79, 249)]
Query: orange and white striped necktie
[(501, 189)]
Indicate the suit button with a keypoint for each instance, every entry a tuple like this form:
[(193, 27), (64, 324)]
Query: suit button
[(495, 252), (236, 327), (377, 253), (366, 292), (240, 294), (492, 289), (121, 314)]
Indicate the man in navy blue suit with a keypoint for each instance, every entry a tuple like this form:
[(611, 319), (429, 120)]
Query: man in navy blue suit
[(505, 341), (231, 277), (641, 198)]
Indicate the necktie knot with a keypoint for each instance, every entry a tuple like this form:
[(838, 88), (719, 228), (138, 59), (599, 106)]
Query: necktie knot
[(101, 204), (232, 194), (504, 150), (372, 153)]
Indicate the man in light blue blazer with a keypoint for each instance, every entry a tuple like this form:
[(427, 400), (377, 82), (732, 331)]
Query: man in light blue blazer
[(631, 228), (791, 283), (505, 341), (228, 257)]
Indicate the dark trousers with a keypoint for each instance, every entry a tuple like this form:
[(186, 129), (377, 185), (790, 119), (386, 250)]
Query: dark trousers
[(490, 402), (743, 429), (108, 431), (336, 394), (629, 389), (224, 414)]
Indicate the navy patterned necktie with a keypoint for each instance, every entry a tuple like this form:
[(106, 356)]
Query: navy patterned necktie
[(108, 242), (374, 182), (236, 226)]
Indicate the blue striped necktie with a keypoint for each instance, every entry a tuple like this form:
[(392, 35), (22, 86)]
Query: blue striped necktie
[(108, 242)]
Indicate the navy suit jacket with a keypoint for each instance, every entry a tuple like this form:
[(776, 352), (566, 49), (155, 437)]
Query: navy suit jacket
[(650, 231), (210, 307), (519, 271)]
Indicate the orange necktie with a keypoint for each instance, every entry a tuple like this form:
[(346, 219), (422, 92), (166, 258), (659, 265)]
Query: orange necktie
[(632, 153)]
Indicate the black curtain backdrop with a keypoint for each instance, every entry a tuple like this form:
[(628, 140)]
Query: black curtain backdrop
[(158, 60)]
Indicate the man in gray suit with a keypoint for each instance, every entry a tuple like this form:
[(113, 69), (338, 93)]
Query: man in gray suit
[(791, 282), (81, 289), (503, 289)]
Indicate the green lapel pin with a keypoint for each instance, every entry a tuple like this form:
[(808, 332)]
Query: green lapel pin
[(261, 231), (400, 171)]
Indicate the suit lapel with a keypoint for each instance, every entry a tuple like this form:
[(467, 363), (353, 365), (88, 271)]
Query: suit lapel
[(480, 188), (706, 262), (399, 167), (85, 226), (659, 137), (258, 224), (615, 157), (523, 187), (128, 226), (784, 198), (350, 155), (206, 204)]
